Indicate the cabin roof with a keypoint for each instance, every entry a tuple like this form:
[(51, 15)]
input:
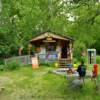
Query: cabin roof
[(51, 34)]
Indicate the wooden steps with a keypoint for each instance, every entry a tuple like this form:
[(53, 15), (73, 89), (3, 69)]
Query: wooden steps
[(64, 63)]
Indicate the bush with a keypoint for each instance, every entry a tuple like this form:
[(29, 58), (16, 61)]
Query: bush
[(48, 64), (2, 67), (75, 60), (12, 65), (98, 59), (1, 61)]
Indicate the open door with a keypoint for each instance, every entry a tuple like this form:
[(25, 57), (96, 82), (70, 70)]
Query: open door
[(64, 52)]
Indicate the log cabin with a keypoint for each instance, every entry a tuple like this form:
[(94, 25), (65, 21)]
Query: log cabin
[(50, 46)]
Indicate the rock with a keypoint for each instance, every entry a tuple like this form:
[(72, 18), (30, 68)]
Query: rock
[(76, 84)]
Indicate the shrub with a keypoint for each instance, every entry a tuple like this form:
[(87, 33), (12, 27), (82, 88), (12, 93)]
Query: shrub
[(98, 59), (44, 64), (12, 65), (1, 61), (2, 67), (75, 60), (48, 64)]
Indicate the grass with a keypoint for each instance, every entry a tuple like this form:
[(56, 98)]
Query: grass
[(40, 84)]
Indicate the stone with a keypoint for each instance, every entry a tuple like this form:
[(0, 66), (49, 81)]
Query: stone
[(76, 84)]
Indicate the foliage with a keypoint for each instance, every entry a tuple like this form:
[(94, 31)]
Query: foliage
[(1, 62), (13, 65), (2, 67), (47, 63), (98, 59), (20, 20)]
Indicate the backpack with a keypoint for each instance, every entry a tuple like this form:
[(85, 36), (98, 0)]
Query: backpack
[(82, 70)]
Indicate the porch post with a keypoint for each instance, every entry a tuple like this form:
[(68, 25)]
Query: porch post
[(29, 48), (71, 52)]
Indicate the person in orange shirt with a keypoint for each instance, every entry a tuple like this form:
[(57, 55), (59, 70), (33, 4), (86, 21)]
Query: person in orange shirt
[(95, 74), (95, 71)]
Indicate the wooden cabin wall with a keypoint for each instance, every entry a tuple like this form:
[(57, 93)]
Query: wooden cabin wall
[(58, 46)]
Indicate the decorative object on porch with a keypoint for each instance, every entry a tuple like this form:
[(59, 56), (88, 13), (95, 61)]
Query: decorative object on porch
[(53, 48)]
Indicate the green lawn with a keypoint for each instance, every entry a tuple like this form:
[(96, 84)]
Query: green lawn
[(40, 84)]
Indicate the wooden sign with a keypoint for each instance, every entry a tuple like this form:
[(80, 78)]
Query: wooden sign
[(35, 63)]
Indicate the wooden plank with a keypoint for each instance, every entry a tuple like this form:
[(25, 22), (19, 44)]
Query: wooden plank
[(64, 62)]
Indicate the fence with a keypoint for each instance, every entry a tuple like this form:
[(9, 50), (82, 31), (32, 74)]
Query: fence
[(25, 60)]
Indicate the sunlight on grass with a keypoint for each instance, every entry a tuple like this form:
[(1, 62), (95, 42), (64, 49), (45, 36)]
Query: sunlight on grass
[(40, 84)]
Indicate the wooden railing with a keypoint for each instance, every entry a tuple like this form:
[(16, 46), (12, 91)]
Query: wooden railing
[(50, 56), (25, 60), (65, 62)]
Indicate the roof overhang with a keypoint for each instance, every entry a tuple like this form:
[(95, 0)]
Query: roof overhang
[(50, 34)]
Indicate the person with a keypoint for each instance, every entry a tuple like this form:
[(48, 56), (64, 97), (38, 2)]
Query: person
[(81, 70), (95, 74), (32, 54), (95, 71)]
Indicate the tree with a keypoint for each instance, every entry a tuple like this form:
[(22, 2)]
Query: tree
[(22, 19)]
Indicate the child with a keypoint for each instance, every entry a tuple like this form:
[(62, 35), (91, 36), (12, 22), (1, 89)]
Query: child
[(81, 70), (95, 71)]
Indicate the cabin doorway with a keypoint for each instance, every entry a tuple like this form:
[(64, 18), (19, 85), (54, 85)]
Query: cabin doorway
[(50, 47), (64, 52)]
